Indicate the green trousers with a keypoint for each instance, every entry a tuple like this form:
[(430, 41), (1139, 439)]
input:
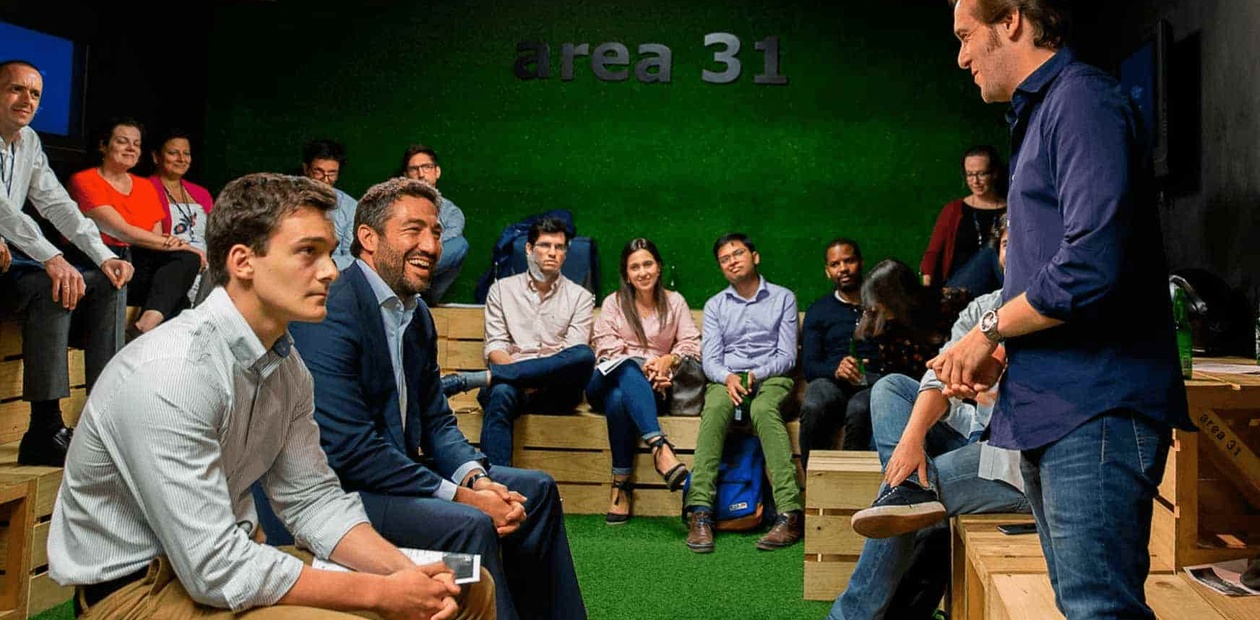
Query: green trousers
[(767, 423)]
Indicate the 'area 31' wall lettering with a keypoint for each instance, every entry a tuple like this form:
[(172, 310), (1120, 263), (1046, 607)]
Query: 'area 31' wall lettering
[(610, 61)]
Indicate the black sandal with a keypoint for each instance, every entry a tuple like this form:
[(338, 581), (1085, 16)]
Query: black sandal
[(677, 474), (625, 489)]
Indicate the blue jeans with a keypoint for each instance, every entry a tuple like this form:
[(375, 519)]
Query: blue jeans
[(1091, 493), (626, 398), (555, 386), (980, 274), (828, 405), (453, 253), (954, 466)]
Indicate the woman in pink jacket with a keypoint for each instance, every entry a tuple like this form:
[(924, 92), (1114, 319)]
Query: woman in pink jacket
[(643, 334)]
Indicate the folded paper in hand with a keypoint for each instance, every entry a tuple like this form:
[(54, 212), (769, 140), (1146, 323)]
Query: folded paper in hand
[(467, 566)]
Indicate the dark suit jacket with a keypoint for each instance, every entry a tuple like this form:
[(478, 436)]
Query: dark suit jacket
[(356, 396)]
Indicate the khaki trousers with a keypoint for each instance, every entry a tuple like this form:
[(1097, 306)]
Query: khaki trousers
[(160, 595)]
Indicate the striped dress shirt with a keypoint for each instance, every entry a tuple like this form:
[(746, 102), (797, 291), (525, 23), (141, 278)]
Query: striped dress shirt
[(180, 424)]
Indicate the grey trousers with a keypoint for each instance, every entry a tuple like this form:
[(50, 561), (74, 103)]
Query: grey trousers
[(46, 329)]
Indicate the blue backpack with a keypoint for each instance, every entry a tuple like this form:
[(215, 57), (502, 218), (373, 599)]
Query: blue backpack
[(739, 504)]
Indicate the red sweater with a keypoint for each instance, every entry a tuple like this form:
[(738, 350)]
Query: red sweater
[(939, 256)]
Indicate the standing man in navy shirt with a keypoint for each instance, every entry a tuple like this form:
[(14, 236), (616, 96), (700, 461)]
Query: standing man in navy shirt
[(1086, 319)]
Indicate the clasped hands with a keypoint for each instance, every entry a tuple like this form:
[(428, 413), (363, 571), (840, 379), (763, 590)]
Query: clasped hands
[(971, 367), (660, 371), (504, 506)]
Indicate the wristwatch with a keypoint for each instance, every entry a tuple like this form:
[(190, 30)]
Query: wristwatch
[(472, 482), (989, 327)]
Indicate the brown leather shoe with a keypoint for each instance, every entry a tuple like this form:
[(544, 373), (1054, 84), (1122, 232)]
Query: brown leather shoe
[(787, 530), (700, 531)]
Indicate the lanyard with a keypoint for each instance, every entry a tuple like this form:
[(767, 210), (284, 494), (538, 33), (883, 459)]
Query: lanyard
[(8, 181)]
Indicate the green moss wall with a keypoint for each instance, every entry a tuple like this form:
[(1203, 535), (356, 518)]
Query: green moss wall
[(863, 142)]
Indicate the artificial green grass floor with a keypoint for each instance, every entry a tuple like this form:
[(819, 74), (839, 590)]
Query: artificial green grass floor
[(643, 571)]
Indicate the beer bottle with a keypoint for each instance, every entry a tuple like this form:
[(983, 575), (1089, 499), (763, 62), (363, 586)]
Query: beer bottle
[(1185, 338)]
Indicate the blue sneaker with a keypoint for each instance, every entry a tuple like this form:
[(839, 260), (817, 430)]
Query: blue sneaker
[(902, 509)]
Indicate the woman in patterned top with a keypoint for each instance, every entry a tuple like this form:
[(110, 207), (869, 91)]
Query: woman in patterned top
[(908, 322), (185, 204)]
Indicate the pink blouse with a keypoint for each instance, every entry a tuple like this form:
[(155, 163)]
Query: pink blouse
[(615, 338)]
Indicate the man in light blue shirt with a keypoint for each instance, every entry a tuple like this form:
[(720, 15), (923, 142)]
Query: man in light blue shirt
[(421, 162), (322, 160), (749, 328)]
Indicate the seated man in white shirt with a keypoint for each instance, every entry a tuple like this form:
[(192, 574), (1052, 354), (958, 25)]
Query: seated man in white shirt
[(38, 283), (154, 517), (537, 348)]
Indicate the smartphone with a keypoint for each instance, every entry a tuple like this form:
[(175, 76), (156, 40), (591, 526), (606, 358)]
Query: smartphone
[(1013, 529)]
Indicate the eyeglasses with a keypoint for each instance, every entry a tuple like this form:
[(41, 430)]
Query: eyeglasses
[(978, 175), (422, 168), (560, 248), (737, 254), (324, 175)]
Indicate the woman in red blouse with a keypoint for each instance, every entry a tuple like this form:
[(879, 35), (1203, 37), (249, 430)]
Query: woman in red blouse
[(127, 210)]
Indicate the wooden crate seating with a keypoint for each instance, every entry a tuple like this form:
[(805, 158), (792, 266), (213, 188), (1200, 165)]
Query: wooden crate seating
[(1208, 508), (15, 414), (17, 494), (43, 592), (1170, 596), (980, 552), (838, 484), (573, 448)]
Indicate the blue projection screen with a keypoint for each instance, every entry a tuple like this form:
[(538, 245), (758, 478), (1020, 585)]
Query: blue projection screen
[(55, 58)]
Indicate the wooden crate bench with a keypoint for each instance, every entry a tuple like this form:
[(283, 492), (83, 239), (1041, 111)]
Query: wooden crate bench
[(15, 414), (17, 541), (1170, 596), (1209, 500), (572, 447), (838, 484), (980, 552), (44, 593)]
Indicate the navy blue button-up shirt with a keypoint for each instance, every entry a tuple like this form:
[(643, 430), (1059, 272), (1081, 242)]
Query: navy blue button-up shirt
[(1085, 247)]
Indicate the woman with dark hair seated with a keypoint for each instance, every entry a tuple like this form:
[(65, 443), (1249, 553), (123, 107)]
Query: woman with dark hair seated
[(960, 253), (651, 331), (908, 322), (186, 205), (129, 213)]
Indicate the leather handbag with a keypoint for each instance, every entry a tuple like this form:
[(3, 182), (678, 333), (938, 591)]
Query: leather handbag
[(686, 397)]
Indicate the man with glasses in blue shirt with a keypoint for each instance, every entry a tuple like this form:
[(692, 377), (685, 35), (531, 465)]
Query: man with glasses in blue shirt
[(749, 329), (1093, 387)]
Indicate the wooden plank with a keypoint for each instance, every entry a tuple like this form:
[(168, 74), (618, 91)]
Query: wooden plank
[(460, 323), (1230, 452), (15, 416), (458, 355), (1021, 597), (832, 533), (593, 499), (47, 479), (561, 431), (11, 372), (39, 544), (46, 594), (10, 338), (17, 514), (826, 579), (842, 480)]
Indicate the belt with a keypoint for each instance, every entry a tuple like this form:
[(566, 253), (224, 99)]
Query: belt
[(92, 594)]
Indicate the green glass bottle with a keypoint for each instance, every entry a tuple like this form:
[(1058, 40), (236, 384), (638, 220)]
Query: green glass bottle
[(861, 366), (1185, 338)]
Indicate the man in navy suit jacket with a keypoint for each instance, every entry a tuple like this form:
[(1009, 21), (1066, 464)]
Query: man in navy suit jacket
[(390, 434)]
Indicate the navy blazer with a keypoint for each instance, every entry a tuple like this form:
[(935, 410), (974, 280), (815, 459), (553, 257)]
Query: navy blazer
[(356, 396)]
